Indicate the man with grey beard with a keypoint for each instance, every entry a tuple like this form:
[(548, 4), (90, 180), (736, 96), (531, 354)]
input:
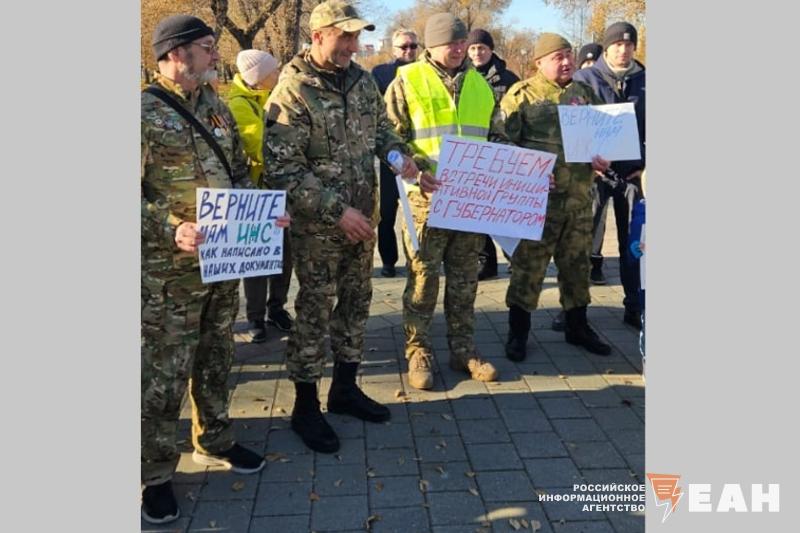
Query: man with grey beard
[(188, 140)]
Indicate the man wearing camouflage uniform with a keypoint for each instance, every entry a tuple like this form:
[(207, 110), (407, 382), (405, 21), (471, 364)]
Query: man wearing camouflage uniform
[(532, 122), (325, 125), (186, 325), (466, 107)]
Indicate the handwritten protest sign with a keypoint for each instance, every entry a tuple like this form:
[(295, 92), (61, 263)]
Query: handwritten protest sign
[(609, 131), (241, 238), (491, 188)]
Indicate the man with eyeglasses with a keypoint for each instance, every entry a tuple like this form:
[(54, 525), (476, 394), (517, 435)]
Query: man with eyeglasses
[(404, 49), (325, 125), (186, 325)]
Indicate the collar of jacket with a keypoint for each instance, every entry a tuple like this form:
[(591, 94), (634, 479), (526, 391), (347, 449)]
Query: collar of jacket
[(172, 86), (493, 67), (603, 67), (240, 88), (308, 73), (462, 68), (538, 80)]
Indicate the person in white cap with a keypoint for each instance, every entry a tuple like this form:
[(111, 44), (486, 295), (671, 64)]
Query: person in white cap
[(257, 76)]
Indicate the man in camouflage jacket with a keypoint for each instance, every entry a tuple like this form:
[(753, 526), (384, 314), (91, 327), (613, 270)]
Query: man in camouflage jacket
[(532, 122), (326, 122), (186, 325)]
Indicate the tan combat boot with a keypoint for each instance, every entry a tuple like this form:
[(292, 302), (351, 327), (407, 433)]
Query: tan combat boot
[(476, 367), (420, 370)]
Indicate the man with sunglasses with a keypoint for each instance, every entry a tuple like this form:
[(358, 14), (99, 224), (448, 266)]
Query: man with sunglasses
[(404, 49), (186, 325)]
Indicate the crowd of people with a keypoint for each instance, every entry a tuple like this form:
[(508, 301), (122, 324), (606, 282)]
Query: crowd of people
[(313, 128)]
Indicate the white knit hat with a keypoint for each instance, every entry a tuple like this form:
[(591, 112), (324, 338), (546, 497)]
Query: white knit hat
[(255, 65)]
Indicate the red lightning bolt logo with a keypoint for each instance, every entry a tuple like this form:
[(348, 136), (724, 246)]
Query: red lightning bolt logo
[(666, 491)]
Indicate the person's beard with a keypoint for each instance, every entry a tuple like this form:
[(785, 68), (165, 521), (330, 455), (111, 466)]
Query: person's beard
[(206, 76)]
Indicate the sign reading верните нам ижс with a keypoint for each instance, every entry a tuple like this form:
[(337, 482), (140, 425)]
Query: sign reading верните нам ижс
[(242, 239)]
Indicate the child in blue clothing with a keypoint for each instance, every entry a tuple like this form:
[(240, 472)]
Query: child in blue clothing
[(636, 248)]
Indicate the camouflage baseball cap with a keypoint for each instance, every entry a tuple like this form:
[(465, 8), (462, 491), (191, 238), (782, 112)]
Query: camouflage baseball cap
[(339, 14)]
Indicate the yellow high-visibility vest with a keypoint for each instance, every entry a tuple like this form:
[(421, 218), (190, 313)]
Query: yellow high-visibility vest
[(433, 112)]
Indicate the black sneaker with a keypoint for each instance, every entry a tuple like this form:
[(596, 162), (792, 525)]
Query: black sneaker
[(388, 271), (597, 277), (258, 331), (159, 505), (281, 320), (237, 459), (633, 318)]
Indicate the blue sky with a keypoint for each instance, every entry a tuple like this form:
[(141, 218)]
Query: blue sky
[(520, 14)]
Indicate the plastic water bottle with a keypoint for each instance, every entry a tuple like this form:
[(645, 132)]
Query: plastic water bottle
[(395, 159)]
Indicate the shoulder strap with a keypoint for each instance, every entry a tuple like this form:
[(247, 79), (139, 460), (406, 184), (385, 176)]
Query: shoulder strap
[(163, 95)]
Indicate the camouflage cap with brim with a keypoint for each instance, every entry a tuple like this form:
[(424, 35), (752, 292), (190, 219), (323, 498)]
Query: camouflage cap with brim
[(339, 14)]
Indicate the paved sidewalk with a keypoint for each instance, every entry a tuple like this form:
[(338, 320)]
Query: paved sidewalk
[(464, 457)]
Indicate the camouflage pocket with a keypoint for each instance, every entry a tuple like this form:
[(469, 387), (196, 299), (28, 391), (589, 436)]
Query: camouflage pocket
[(368, 131)]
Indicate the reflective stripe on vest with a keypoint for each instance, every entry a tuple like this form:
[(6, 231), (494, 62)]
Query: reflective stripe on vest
[(433, 112)]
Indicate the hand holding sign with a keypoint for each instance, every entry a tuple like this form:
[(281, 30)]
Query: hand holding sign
[(607, 130), (187, 238)]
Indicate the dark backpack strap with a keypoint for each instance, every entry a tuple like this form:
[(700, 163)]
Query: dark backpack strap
[(163, 95)]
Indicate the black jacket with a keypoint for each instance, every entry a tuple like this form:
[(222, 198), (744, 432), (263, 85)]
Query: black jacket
[(385, 73), (615, 91), (498, 76)]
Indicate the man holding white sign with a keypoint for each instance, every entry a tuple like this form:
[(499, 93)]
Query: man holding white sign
[(617, 77), (439, 94), (532, 122)]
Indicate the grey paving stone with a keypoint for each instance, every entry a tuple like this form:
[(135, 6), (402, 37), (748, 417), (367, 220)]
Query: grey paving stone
[(505, 401), (392, 462), (609, 475), (270, 524), (465, 528), (433, 424), (483, 431), (579, 430), (229, 486), (351, 452), (402, 520), (499, 514), (455, 508), (389, 436), (223, 515), (253, 429), (276, 499), (493, 457), (387, 492), (298, 468), (340, 480), (510, 485), (443, 477), (628, 441), (600, 398), (346, 427), (470, 408), (526, 420), (613, 419), (179, 526), (286, 441), (584, 527), (539, 445), (549, 473), (596, 455), (332, 513), (564, 408), (440, 449), (636, 462), (570, 511)]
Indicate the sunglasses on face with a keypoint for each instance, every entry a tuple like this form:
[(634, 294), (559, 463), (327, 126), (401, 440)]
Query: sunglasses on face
[(412, 46)]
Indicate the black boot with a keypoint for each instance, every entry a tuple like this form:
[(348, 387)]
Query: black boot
[(519, 325), (347, 399), (308, 422), (579, 333), (596, 275)]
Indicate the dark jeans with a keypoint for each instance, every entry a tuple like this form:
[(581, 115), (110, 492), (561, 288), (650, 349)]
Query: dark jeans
[(622, 198), (255, 289), (387, 240)]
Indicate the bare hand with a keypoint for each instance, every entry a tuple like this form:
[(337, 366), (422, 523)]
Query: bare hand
[(187, 238), (428, 183), (410, 169), (356, 226), (284, 221), (599, 164)]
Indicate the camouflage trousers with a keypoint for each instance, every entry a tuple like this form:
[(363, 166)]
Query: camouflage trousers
[(187, 340), (459, 250), (328, 269), (567, 238)]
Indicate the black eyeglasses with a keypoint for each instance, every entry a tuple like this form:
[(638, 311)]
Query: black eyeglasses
[(412, 46)]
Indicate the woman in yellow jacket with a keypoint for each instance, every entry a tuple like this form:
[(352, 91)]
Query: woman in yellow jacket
[(257, 76)]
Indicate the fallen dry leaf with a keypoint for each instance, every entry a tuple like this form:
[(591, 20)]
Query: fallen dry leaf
[(313, 496), (562, 376), (370, 519), (536, 525), (524, 523), (609, 371), (446, 416), (212, 523), (337, 483), (514, 523), (627, 402), (401, 460), (378, 486), (370, 472), (423, 485), (275, 456), (473, 491), (260, 400), (469, 474), (373, 349), (399, 394), (440, 470), (190, 496), (237, 486)]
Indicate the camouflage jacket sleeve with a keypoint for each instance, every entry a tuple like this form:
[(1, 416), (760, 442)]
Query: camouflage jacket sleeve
[(510, 107), (158, 221), (497, 126), (397, 111), (287, 136)]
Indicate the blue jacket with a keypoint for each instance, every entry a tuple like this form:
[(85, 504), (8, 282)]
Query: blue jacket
[(385, 73), (612, 91)]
